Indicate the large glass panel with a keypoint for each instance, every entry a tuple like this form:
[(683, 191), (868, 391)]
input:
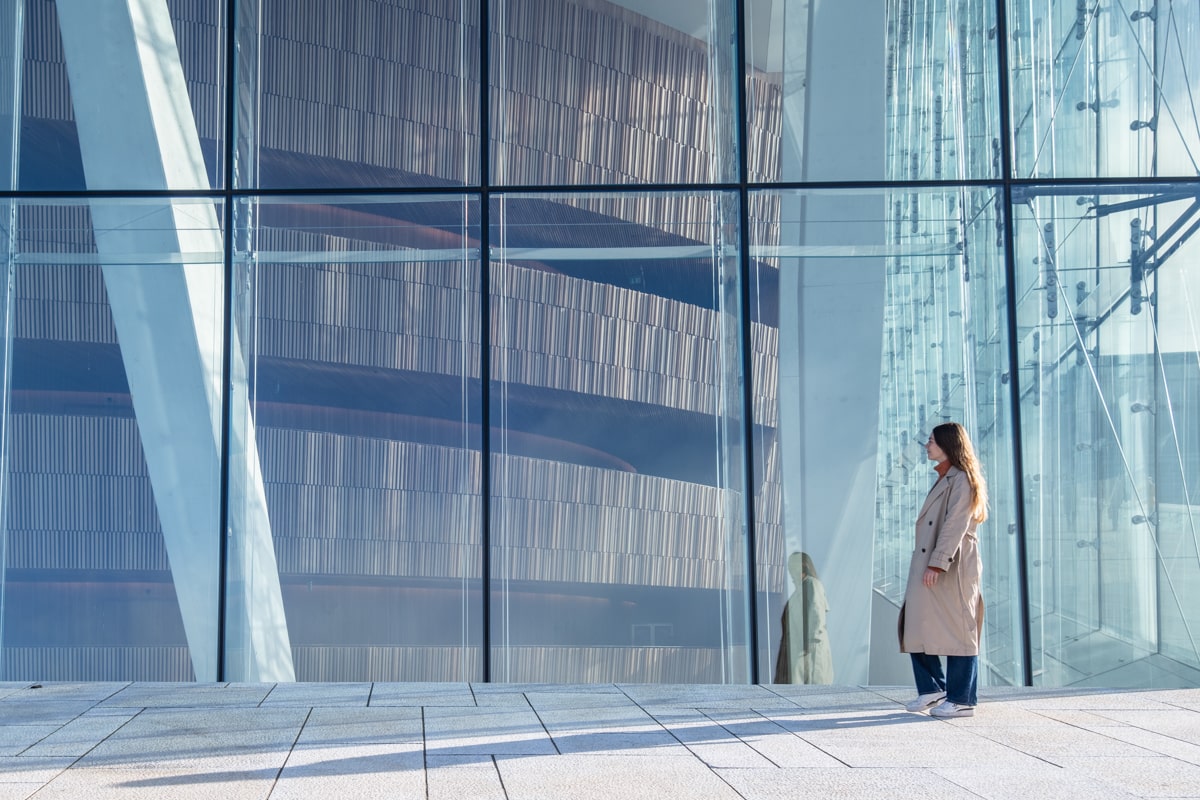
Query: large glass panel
[(621, 92), (1104, 90), (118, 95), (357, 93), (112, 371), (1110, 354), (876, 315), (354, 503), (12, 44), (618, 538), (870, 90)]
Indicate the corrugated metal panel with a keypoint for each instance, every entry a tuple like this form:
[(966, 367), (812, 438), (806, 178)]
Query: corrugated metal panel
[(125, 663)]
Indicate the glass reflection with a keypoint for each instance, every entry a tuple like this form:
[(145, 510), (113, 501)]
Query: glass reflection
[(355, 475), (621, 92), (922, 77), (357, 93), (104, 84), (1103, 91), (1110, 351), (112, 466), (876, 316), (618, 539)]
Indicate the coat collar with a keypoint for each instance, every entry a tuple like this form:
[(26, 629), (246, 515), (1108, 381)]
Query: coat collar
[(939, 488)]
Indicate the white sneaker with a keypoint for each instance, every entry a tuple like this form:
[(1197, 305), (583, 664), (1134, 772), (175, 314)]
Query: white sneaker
[(948, 709), (924, 701)]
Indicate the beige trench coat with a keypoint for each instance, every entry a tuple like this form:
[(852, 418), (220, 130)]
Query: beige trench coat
[(947, 618)]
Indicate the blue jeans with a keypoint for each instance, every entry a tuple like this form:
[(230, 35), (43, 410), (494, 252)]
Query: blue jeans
[(959, 683)]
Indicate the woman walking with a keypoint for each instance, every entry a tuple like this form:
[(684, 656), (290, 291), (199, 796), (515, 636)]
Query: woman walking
[(942, 613)]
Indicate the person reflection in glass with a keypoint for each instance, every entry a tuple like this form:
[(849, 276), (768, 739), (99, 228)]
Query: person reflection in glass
[(804, 655), (942, 613)]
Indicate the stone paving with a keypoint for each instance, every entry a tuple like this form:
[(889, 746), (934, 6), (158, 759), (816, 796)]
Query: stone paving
[(558, 742)]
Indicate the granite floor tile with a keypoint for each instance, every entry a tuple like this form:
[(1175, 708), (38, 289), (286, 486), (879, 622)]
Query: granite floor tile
[(74, 691), (308, 695), (484, 731), (727, 738), (463, 778), (1031, 782), (1092, 701), (27, 769), (1007, 715), (551, 688), (514, 699), (151, 783), (579, 700), (742, 724), (611, 742), (852, 720), (16, 739), (189, 695), (1062, 742), (422, 694), (8, 688), (1088, 720), (41, 712), (701, 695), (378, 725), (911, 754), (1180, 698), (110, 711), (1144, 776), (1152, 743), (731, 755), (256, 736), (360, 771), (861, 784), (918, 744), (845, 701), (692, 726), (1183, 724), (18, 791), (785, 749), (611, 777), (519, 744), (79, 735), (629, 719)]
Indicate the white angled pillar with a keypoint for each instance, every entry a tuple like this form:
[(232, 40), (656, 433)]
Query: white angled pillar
[(137, 131)]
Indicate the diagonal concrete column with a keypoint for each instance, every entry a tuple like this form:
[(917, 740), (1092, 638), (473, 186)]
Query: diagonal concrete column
[(136, 131)]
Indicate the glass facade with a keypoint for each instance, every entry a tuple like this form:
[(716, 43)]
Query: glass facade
[(591, 341)]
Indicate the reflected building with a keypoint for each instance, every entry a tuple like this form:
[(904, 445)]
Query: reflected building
[(524, 341)]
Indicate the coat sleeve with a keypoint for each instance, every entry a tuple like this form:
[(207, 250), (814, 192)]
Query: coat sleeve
[(956, 524)]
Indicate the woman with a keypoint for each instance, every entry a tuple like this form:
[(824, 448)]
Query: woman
[(942, 613)]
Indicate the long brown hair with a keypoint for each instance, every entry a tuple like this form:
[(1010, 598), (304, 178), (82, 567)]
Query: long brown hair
[(953, 440)]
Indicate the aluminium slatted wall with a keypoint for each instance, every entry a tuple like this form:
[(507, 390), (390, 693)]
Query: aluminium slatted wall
[(376, 83)]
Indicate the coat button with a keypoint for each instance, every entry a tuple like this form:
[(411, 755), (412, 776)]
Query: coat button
[(922, 549), (930, 522)]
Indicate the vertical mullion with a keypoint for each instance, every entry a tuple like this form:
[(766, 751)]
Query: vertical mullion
[(485, 361), (1014, 390), (227, 236), (746, 341)]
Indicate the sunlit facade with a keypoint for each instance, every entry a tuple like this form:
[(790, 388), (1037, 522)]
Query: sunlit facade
[(530, 341)]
